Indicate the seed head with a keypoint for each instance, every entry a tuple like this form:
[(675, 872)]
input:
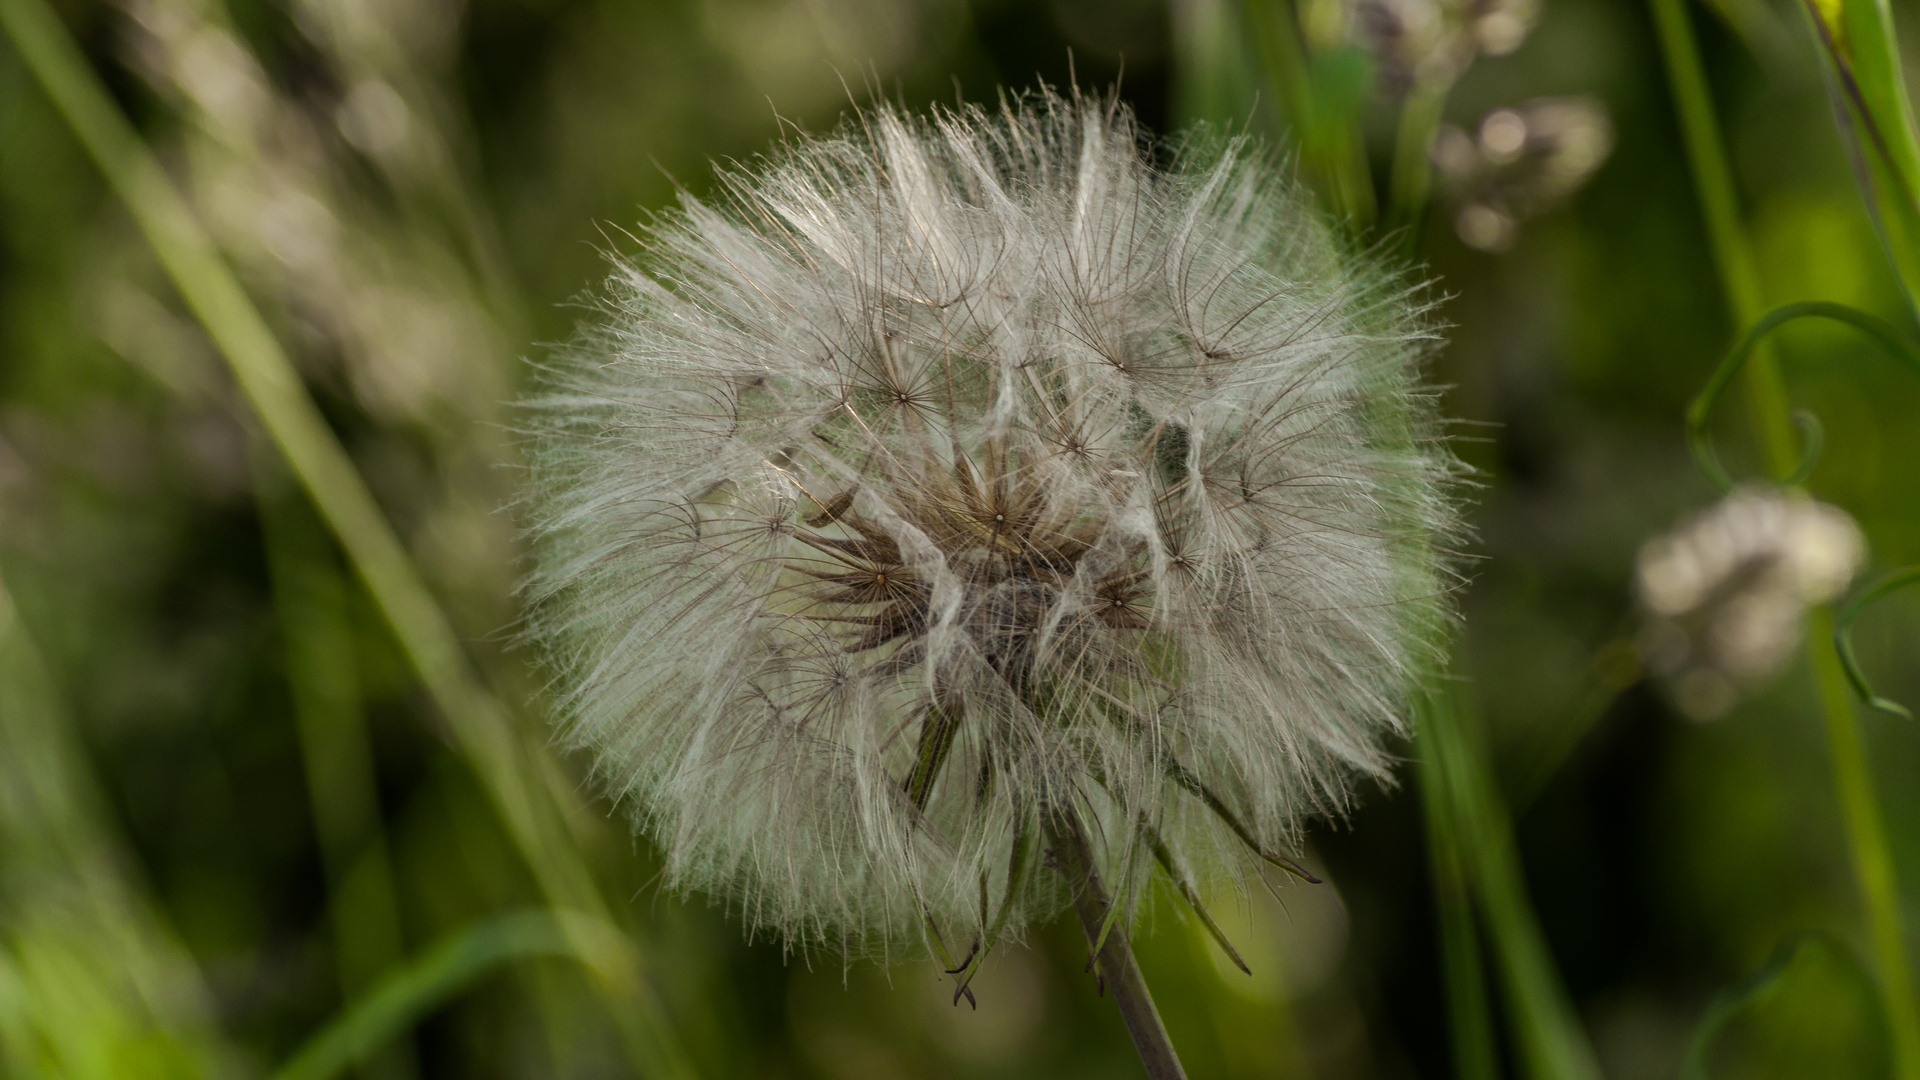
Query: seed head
[(1727, 591), (952, 478)]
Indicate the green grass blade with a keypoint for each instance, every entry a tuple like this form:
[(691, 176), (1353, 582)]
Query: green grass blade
[(1866, 832), (1321, 98), (416, 988), (1732, 257), (316, 641), (1469, 1011), (504, 760), (1550, 1042), (1853, 779)]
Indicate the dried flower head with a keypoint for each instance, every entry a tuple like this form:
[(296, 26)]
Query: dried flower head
[(957, 478), (1728, 590)]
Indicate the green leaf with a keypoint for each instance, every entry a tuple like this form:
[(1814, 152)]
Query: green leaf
[(1870, 94)]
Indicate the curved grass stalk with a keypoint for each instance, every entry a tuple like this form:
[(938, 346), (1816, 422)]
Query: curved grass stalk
[(482, 728), (1700, 440), (1853, 783), (1843, 637), (1729, 1003)]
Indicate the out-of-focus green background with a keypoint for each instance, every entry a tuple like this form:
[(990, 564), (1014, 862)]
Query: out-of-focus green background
[(418, 192)]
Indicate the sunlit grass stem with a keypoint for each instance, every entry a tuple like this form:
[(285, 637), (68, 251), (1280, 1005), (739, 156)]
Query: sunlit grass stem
[(1853, 779), (481, 727)]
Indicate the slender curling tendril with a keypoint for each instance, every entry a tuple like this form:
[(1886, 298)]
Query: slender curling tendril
[(951, 483)]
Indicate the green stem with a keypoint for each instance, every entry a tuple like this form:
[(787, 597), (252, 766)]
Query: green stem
[(1329, 146), (317, 643), (1873, 864), (1550, 1041), (1412, 176), (1713, 183), (1866, 835), (1469, 1014), (1114, 958), (481, 727)]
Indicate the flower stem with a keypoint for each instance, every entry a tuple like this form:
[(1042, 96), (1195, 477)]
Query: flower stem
[(1853, 783), (1866, 835), (1115, 961)]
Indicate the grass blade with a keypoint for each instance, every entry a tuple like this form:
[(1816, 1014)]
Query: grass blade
[(417, 988), (309, 600), (1550, 1042), (1469, 1012)]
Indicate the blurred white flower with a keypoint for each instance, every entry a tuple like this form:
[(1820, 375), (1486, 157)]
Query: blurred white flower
[(1523, 161), (1727, 591), (1431, 43), (967, 480)]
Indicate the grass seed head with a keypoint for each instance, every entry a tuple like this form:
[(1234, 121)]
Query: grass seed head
[(947, 477)]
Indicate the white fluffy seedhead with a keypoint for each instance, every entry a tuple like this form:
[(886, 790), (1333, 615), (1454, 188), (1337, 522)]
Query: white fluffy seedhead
[(955, 479)]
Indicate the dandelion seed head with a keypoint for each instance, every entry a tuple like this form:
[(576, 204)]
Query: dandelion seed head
[(945, 475)]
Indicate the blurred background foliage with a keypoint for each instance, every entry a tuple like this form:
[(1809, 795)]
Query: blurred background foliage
[(227, 807)]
